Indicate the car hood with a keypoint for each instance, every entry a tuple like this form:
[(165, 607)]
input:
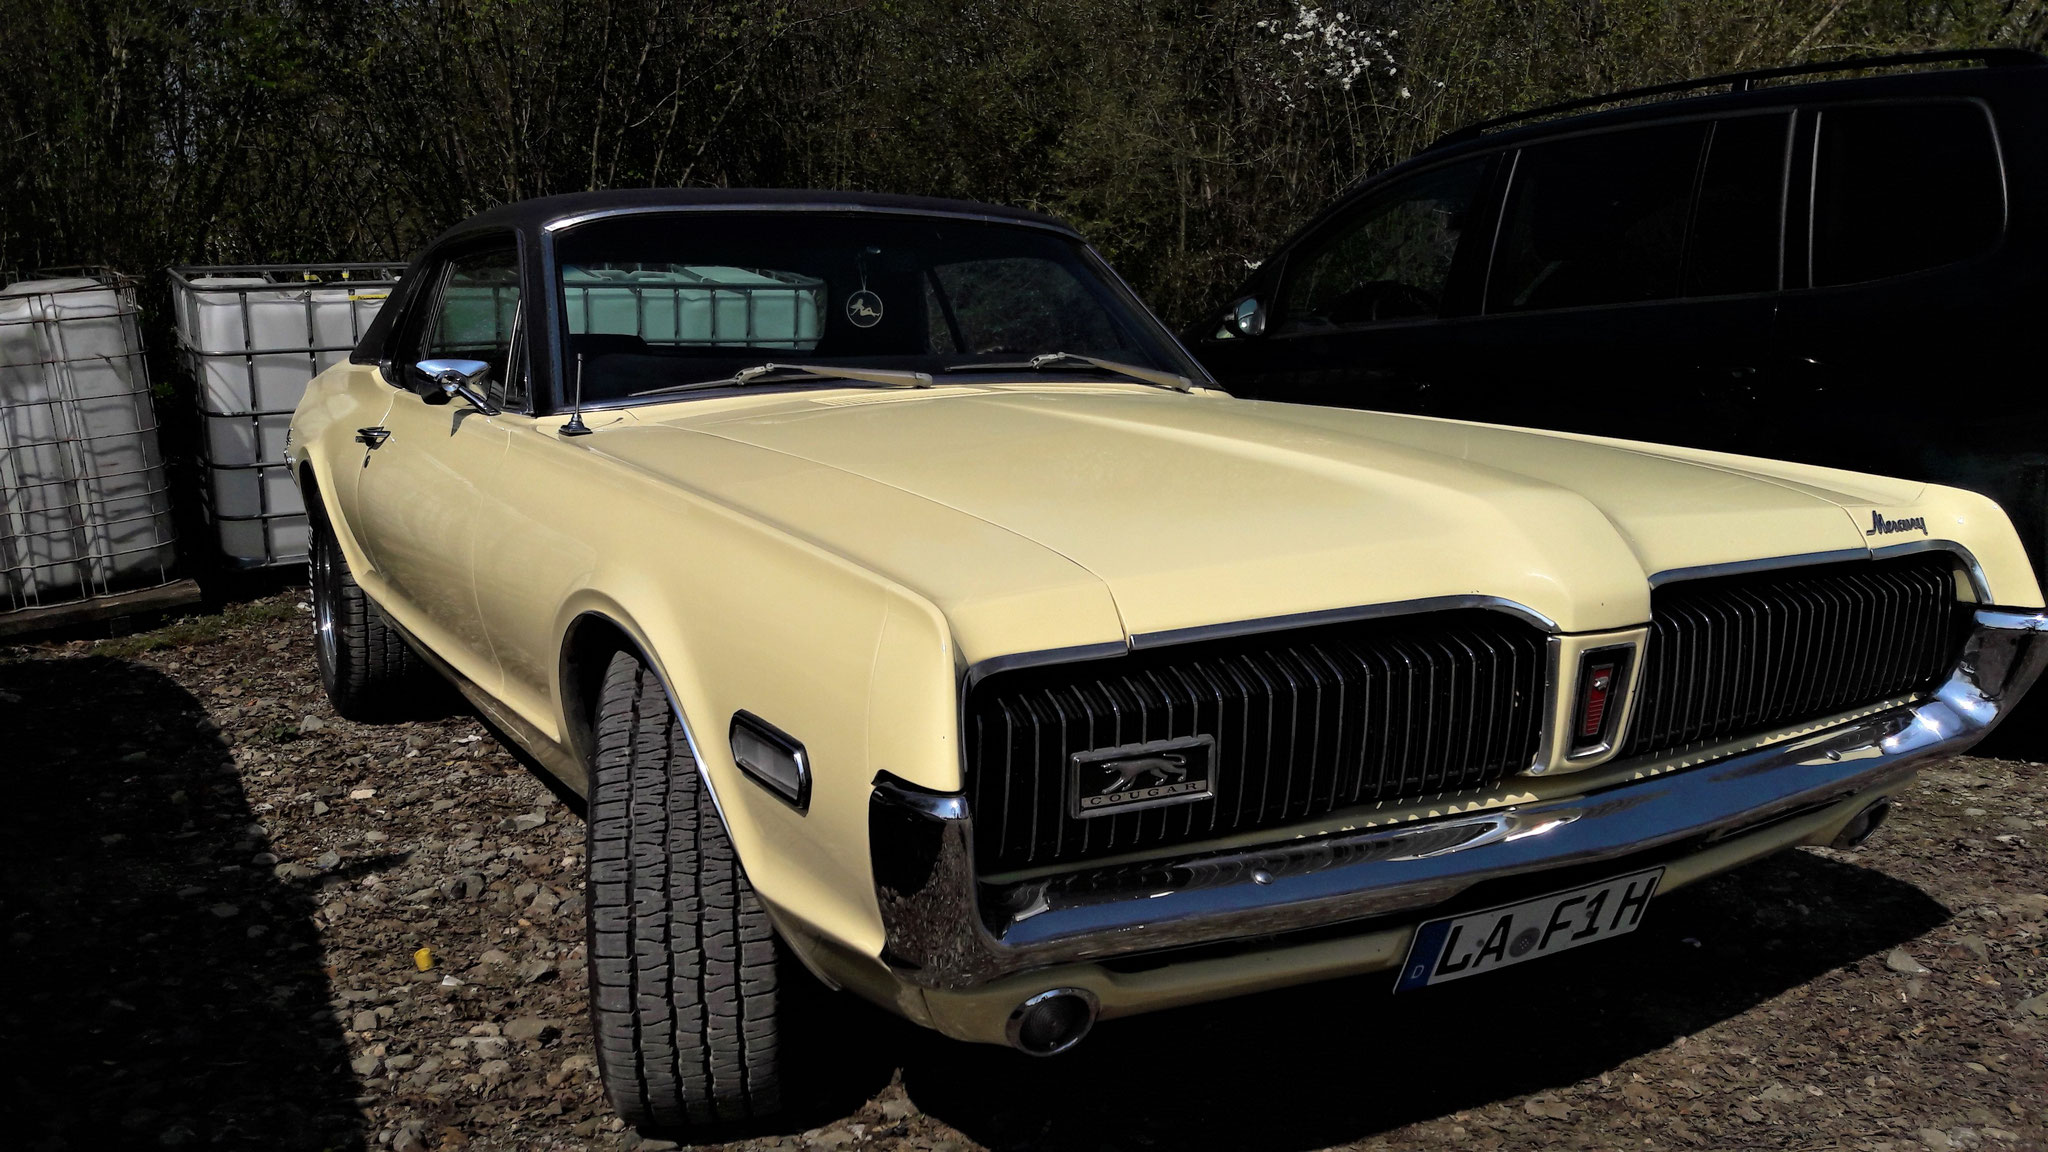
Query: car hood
[(1197, 510)]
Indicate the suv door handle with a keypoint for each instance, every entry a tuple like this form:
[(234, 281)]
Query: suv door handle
[(374, 437)]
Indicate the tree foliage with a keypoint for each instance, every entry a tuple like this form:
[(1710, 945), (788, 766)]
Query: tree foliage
[(1185, 138)]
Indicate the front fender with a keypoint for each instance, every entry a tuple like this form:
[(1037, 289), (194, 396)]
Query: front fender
[(859, 672)]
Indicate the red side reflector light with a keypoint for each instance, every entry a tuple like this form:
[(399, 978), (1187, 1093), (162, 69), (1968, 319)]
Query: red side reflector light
[(1602, 692), (1593, 714)]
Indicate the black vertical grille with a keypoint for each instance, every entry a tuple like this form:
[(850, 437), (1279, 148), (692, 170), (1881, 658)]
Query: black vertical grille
[(1734, 655), (1306, 722)]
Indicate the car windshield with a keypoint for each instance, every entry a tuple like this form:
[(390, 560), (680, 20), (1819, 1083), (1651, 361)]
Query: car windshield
[(651, 303)]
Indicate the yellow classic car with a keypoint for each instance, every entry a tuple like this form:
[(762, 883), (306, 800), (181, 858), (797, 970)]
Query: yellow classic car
[(906, 603)]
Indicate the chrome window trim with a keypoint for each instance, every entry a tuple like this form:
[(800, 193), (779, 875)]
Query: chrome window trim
[(565, 222)]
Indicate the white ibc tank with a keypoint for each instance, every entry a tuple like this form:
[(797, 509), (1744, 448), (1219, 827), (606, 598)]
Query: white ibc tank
[(84, 509), (253, 337), (697, 304)]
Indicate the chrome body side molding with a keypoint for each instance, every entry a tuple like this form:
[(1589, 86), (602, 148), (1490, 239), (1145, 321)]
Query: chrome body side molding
[(1978, 583), (1343, 616)]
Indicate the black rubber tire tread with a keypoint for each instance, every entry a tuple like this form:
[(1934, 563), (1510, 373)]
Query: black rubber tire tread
[(683, 961), (372, 673)]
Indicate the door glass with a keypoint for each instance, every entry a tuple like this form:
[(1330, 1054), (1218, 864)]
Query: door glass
[(1736, 225), (1902, 187), (476, 318), (1390, 261), (1597, 219)]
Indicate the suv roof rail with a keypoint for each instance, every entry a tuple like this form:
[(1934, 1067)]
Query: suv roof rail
[(1745, 81)]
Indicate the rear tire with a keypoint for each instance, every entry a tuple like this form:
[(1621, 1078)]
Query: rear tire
[(367, 668), (684, 986)]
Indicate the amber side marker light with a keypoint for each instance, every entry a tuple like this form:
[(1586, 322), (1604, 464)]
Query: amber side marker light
[(772, 758)]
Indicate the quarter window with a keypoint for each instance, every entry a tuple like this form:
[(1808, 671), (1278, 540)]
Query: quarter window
[(1391, 261), (1597, 219), (477, 317), (1903, 187)]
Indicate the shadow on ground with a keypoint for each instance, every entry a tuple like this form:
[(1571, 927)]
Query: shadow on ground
[(167, 987), (1334, 1063)]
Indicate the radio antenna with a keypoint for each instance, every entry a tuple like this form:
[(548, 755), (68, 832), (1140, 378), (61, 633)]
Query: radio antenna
[(576, 426)]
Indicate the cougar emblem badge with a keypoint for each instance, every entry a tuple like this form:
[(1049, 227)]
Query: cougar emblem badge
[(1110, 780)]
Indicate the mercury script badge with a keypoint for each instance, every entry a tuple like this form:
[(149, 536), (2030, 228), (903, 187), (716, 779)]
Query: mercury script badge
[(1131, 776), (1879, 526), (864, 309)]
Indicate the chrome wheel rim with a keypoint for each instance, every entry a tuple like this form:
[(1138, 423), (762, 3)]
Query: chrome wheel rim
[(328, 645)]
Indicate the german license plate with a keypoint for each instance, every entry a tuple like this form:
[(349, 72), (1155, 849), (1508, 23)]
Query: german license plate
[(1460, 946)]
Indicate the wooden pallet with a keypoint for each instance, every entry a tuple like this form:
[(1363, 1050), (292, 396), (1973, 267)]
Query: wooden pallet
[(51, 617)]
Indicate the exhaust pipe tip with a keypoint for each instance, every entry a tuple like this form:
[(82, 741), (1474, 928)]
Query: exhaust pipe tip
[(1052, 1022), (1864, 823)]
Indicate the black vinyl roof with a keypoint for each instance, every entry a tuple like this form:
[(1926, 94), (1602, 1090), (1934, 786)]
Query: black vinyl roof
[(538, 213)]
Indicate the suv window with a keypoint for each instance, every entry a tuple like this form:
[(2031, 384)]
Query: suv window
[(1902, 187), (476, 318), (1739, 221), (1597, 219), (1390, 260)]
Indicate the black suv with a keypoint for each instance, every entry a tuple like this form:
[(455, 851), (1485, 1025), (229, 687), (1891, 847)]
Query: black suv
[(1847, 272)]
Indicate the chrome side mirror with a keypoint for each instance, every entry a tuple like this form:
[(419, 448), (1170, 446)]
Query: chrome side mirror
[(1247, 317), (462, 378)]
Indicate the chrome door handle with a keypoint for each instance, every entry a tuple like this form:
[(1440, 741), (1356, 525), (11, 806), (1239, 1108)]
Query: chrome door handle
[(374, 437)]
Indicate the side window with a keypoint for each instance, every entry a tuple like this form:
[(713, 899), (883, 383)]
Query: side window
[(1597, 219), (1902, 187), (476, 319), (1737, 226), (1392, 260)]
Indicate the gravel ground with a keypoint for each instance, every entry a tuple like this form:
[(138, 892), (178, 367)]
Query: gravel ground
[(235, 919)]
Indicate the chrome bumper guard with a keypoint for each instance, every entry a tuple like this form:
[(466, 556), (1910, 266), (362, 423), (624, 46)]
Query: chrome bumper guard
[(947, 931)]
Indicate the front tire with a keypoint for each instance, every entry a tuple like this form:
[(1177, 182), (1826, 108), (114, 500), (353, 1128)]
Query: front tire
[(683, 962), (367, 668)]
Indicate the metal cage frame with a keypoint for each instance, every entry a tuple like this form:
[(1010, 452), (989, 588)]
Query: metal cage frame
[(271, 515), (106, 566)]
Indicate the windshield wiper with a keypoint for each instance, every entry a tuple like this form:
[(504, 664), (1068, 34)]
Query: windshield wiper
[(776, 373), (1046, 360)]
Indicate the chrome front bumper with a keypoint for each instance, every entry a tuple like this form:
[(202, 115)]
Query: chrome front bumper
[(945, 930)]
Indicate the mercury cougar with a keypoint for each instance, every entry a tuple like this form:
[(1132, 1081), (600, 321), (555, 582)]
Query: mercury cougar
[(906, 603)]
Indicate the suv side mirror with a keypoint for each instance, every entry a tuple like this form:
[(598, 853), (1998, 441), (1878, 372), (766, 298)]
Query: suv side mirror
[(462, 378), (1247, 317)]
